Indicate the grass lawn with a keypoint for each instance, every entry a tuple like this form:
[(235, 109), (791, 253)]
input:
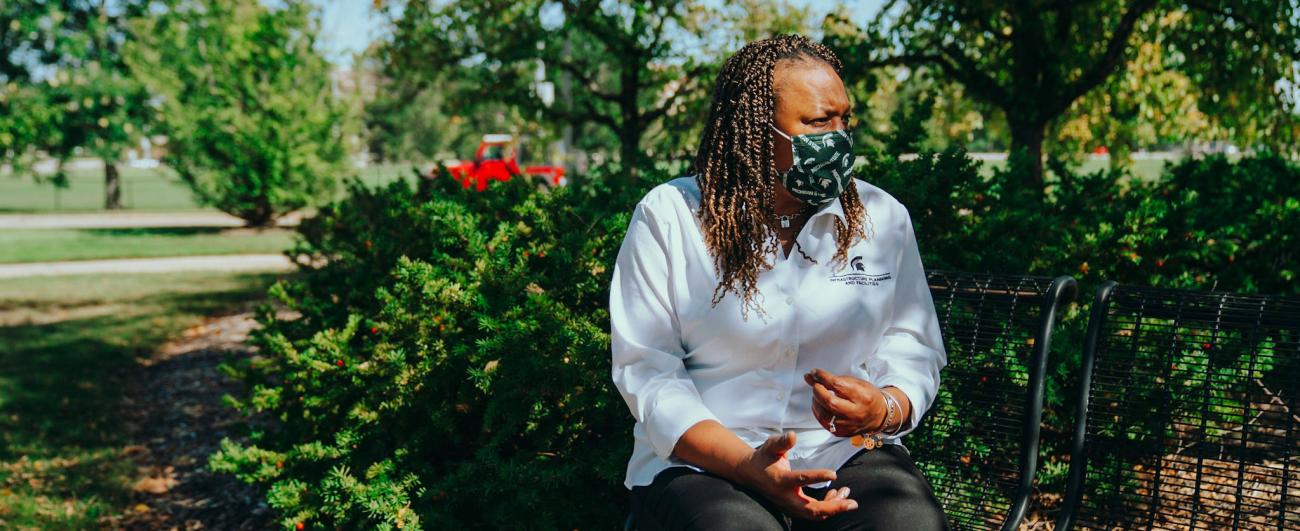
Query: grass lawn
[(1147, 169), (64, 342), (41, 245), (142, 189), (157, 190)]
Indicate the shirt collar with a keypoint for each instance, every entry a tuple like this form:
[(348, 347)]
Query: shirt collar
[(834, 207)]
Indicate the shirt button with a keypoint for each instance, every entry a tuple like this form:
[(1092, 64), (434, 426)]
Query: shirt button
[(780, 396), (789, 351), (789, 301)]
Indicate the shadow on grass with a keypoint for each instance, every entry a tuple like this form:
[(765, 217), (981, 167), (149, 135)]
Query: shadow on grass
[(177, 232), (61, 389), (155, 231)]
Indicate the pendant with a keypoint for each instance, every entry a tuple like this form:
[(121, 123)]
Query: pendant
[(870, 442), (785, 222)]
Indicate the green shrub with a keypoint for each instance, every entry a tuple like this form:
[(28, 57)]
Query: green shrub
[(448, 368), (1229, 226), (1205, 224), (445, 360)]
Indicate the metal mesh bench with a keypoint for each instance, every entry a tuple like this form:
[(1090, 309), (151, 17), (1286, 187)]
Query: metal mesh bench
[(1187, 416), (978, 443)]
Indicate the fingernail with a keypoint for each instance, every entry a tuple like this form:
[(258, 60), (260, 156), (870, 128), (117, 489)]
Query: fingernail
[(844, 493), (853, 505)]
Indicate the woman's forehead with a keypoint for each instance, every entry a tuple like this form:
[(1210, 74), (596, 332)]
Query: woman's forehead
[(808, 86)]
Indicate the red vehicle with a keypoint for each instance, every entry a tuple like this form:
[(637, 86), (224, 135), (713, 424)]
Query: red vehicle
[(495, 161)]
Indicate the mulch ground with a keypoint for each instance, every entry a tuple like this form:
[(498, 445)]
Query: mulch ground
[(174, 412)]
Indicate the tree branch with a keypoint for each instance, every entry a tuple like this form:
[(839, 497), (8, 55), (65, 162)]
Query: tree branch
[(973, 77), (587, 82), (1057, 5), (589, 114), (1109, 60), (907, 59), (658, 35), (588, 17), (953, 63), (661, 110), (1215, 10)]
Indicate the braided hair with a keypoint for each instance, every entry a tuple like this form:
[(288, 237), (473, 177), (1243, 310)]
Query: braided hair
[(735, 168)]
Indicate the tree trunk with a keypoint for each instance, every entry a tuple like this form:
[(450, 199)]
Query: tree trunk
[(629, 150), (261, 216), (112, 186), (1026, 157), (629, 131)]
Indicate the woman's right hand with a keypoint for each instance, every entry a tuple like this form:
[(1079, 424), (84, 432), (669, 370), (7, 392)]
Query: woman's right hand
[(768, 471)]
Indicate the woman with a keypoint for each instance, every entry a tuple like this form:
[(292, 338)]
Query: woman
[(780, 406)]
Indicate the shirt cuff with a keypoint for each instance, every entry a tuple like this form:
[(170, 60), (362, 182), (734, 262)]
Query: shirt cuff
[(670, 418)]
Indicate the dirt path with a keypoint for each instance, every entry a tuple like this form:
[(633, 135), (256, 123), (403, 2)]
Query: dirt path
[(224, 262), (173, 410), (120, 220)]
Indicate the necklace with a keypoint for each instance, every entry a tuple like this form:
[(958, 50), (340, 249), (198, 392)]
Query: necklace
[(787, 218)]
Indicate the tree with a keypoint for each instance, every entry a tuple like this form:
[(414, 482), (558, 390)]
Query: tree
[(247, 102), (626, 71), (20, 28), (64, 85), (420, 125), (1034, 59), (1145, 104)]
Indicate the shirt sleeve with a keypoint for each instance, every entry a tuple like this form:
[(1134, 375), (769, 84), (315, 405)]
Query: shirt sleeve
[(911, 352), (646, 338)]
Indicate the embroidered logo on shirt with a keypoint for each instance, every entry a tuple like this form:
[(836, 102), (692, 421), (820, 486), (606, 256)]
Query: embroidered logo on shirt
[(859, 275)]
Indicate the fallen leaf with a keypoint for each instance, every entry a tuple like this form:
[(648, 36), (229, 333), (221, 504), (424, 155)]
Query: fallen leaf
[(157, 484)]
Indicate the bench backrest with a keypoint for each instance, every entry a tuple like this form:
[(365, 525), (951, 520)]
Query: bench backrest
[(1188, 412), (978, 443)]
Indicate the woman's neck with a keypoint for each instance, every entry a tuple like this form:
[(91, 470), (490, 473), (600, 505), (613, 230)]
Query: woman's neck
[(785, 203)]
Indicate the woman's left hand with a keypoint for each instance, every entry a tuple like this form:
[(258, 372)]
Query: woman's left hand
[(856, 405)]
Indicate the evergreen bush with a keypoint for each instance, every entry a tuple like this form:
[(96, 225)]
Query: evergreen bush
[(447, 366)]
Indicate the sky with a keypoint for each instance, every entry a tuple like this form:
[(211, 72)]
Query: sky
[(347, 26)]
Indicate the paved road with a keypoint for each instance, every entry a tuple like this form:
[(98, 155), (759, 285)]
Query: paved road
[(229, 262), (119, 220)]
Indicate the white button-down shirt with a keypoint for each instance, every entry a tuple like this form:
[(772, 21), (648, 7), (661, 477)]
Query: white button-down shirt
[(678, 361)]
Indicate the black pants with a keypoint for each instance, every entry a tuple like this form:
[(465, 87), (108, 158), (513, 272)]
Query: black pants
[(890, 491)]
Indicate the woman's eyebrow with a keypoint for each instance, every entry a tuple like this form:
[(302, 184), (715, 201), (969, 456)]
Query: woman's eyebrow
[(826, 112), (830, 108)]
